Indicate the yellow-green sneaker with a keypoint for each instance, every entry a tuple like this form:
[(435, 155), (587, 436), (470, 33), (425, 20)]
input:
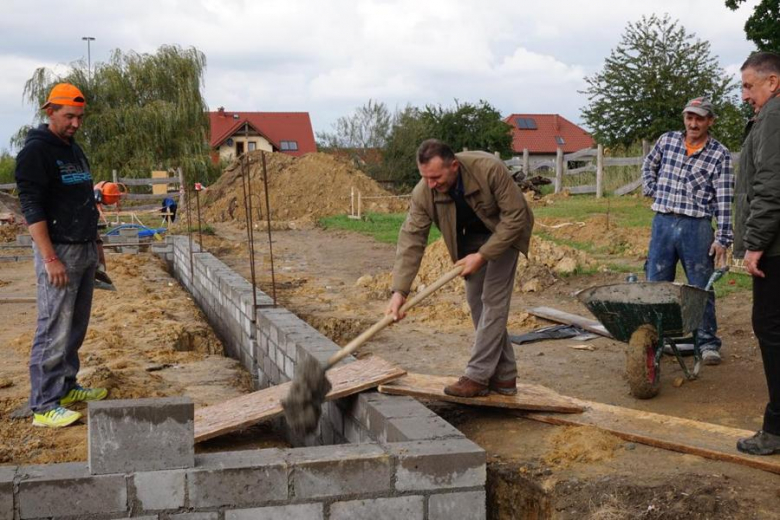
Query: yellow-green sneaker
[(78, 394), (56, 418)]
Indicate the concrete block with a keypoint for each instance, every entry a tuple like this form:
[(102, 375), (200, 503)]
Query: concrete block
[(195, 516), (399, 508), (238, 478), (54, 489), (141, 435), (420, 428), (444, 464), (292, 512), (325, 471), (160, 489), (7, 474), (469, 505), (24, 240)]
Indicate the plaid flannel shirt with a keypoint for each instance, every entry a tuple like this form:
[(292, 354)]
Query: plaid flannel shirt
[(700, 185)]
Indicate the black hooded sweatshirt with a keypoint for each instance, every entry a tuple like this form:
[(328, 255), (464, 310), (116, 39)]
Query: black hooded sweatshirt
[(55, 185)]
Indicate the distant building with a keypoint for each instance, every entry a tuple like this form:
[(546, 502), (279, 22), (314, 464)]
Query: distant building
[(233, 133), (542, 134)]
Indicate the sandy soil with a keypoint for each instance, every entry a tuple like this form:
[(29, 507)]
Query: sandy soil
[(146, 340)]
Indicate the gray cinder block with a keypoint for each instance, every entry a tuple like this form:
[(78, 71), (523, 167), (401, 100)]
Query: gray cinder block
[(292, 512), (68, 489), (141, 435), (239, 478), (469, 505), (160, 489), (7, 492), (399, 508), (442, 464), (323, 471)]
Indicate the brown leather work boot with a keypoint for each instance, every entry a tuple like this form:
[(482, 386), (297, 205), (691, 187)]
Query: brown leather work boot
[(466, 387), (508, 387)]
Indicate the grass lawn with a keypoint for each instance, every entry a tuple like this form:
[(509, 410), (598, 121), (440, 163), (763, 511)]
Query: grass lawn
[(624, 211), (381, 226)]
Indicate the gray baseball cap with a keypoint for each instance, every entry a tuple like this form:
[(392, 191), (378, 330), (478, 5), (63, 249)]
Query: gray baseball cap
[(701, 106)]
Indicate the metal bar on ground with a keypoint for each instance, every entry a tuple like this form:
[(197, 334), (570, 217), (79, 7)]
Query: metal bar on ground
[(548, 313)]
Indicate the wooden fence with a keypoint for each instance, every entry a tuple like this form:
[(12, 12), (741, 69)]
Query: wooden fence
[(596, 163), (177, 180)]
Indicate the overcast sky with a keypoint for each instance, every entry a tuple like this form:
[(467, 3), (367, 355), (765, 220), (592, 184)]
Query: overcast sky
[(328, 57)]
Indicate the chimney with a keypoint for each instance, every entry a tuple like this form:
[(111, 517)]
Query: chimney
[(221, 111), (557, 124)]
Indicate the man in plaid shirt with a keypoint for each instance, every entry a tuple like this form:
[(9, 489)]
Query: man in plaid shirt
[(691, 179)]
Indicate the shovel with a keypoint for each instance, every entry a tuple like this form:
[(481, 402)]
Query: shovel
[(303, 404)]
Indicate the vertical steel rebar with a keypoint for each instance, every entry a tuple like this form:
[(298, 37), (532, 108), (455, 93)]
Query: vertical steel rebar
[(250, 222), (189, 225), (200, 231), (268, 220)]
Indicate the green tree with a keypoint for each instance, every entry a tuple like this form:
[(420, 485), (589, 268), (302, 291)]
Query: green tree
[(144, 112), (647, 79), (7, 167), (473, 126), (762, 28)]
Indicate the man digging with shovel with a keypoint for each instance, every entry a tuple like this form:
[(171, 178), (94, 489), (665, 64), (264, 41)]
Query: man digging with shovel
[(485, 221)]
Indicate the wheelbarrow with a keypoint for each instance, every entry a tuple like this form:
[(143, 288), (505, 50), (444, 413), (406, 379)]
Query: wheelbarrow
[(647, 316)]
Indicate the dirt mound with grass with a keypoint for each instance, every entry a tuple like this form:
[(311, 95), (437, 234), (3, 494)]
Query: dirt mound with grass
[(299, 189), (602, 233), (545, 263)]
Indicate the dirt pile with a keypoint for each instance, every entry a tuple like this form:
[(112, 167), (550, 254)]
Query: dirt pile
[(304, 188), (545, 263), (580, 444), (602, 233)]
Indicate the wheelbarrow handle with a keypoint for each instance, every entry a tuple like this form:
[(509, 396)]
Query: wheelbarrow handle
[(716, 275)]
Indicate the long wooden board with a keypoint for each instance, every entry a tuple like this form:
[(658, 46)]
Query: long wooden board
[(566, 318), (529, 397), (234, 414), (707, 440)]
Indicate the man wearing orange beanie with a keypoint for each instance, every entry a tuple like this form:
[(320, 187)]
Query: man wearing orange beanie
[(57, 199)]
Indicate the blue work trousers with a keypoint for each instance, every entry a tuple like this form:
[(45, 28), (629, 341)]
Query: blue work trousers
[(63, 317), (688, 240)]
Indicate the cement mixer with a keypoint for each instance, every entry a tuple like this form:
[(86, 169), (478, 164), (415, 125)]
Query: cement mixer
[(109, 193)]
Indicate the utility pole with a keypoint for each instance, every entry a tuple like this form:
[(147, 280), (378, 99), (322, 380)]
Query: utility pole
[(89, 39)]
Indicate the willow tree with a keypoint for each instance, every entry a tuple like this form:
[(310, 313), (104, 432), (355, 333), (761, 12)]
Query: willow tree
[(144, 111)]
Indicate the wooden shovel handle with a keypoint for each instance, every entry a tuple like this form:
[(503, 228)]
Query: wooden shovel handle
[(387, 320)]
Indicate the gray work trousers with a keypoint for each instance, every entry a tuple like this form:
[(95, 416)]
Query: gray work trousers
[(489, 293), (63, 317)]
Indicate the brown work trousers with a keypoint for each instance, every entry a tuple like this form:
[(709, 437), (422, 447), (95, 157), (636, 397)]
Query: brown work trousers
[(489, 293)]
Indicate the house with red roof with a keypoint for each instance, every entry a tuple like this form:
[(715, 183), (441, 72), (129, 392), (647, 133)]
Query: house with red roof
[(543, 134), (233, 133)]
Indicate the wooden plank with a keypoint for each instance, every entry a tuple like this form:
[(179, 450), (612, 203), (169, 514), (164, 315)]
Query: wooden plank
[(579, 190), (529, 397), (557, 316), (17, 299), (707, 440), (148, 196), (628, 188), (9, 186), (623, 161), (129, 181), (579, 155), (219, 419), (583, 169)]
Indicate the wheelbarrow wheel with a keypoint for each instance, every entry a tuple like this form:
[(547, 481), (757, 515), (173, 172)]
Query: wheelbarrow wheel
[(644, 376)]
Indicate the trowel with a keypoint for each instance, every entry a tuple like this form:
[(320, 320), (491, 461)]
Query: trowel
[(102, 280)]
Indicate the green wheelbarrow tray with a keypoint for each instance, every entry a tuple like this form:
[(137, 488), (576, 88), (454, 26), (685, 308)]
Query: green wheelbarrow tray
[(647, 315), (623, 307)]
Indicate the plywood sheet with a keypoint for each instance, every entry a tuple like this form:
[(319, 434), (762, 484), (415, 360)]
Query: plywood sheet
[(219, 419), (529, 397)]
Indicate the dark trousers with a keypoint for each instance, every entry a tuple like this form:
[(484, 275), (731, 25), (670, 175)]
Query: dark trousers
[(766, 325), (687, 240), (63, 317)]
